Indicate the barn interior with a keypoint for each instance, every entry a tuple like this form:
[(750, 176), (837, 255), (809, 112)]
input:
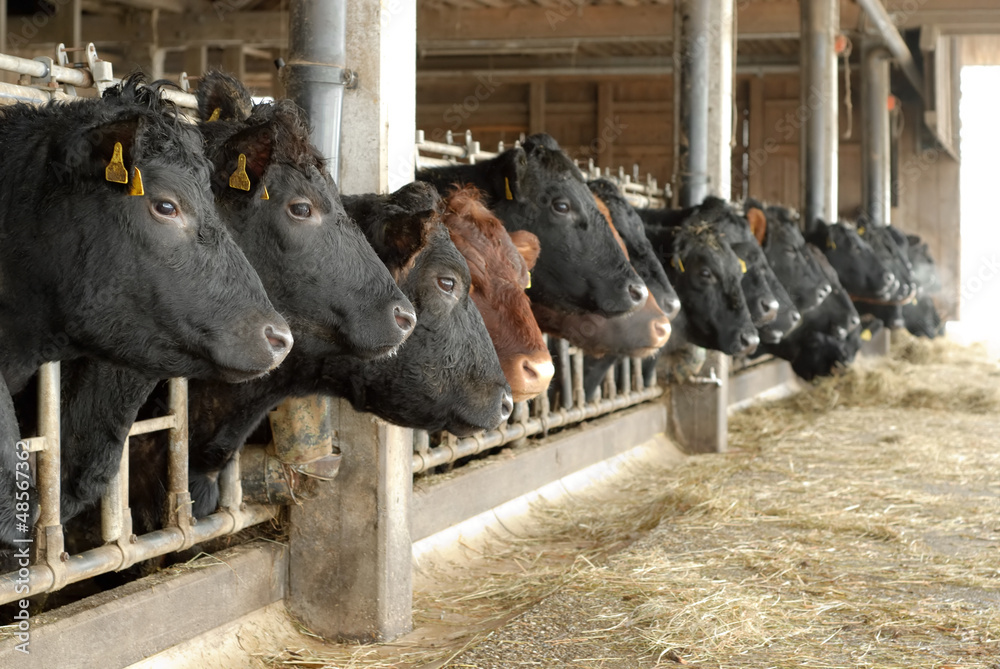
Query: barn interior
[(599, 76)]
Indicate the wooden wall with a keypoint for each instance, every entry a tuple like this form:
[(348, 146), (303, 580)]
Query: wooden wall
[(628, 120)]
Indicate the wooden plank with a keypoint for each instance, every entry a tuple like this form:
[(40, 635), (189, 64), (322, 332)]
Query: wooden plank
[(234, 61), (608, 125), (196, 60), (119, 627), (758, 153), (438, 505), (768, 378), (536, 107)]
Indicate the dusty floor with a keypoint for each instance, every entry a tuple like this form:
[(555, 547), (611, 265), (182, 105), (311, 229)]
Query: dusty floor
[(854, 525)]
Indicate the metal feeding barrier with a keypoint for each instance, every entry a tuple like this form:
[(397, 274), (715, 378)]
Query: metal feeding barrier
[(639, 193), (42, 80)]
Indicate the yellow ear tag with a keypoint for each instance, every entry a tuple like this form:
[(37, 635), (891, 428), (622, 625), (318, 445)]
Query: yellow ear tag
[(115, 171), (830, 244), (506, 188), (215, 115), (678, 264), (264, 195), (743, 265), (861, 230), (866, 335), (914, 301), (529, 281), (239, 179), (136, 187)]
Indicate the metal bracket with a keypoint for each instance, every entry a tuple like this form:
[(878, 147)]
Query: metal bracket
[(325, 74)]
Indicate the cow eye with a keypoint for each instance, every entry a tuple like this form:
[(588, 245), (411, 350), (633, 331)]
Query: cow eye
[(165, 208), (300, 210), (447, 284), (560, 206), (705, 273)]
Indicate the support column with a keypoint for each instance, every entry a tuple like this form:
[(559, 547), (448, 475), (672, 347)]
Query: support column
[(875, 139), (350, 562), (3, 26), (196, 60), (536, 107), (234, 61), (818, 142), (703, 99), (703, 126)]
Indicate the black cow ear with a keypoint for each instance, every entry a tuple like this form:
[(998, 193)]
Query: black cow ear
[(222, 97), (244, 160), (108, 149), (512, 166), (405, 233)]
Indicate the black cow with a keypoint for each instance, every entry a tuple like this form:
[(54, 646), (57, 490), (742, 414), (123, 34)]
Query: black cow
[(317, 267), (889, 246), (776, 229), (706, 274), (862, 272), (537, 188), (112, 248), (919, 315), (822, 354)]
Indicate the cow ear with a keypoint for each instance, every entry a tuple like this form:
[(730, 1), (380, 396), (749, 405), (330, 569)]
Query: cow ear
[(109, 148), (528, 246), (758, 223), (405, 233), (245, 158), (512, 165), (223, 98)]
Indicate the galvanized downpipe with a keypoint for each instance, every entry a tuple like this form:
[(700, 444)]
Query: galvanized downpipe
[(818, 142), (316, 72), (893, 42), (875, 139)]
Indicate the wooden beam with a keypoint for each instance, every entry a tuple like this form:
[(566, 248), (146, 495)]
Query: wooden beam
[(536, 107), (174, 6), (3, 26), (196, 60), (758, 154), (234, 61), (607, 129)]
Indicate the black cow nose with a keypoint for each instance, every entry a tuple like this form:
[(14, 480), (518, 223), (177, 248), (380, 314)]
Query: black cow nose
[(405, 318), (796, 317), (888, 278), (749, 342), (638, 293), (770, 309), (672, 307), (824, 291), (854, 322), (279, 338), (506, 406), (840, 333)]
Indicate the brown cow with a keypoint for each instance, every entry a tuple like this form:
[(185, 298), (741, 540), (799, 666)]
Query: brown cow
[(639, 334), (500, 264)]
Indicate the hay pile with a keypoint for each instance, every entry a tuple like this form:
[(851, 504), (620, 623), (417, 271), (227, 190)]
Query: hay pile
[(854, 525)]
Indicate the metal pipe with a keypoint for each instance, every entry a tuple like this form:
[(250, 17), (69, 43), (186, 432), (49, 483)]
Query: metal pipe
[(23, 94), (875, 137), (316, 70), (692, 39), (109, 558), (153, 425), (894, 42), (178, 511), (39, 70), (477, 443), (818, 142), (48, 459)]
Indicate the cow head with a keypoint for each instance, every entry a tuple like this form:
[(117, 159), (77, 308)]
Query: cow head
[(499, 267), (862, 272), (777, 231), (287, 217), (148, 276)]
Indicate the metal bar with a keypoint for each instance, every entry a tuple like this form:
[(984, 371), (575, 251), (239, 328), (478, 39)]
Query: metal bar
[(231, 485), (39, 70), (23, 94), (153, 425), (109, 558), (692, 37), (317, 55), (49, 532), (467, 446), (637, 382), (565, 376), (626, 369), (875, 138), (178, 511), (818, 142), (112, 502), (894, 42), (579, 398)]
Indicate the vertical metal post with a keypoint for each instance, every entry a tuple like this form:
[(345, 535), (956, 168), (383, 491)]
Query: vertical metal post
[(50, 532), (703, 98), (818, 142), (3, 26), (875, 139), (703, 125), (317, 62)]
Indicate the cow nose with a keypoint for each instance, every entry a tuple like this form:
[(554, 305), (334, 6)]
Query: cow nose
[(769, 309), (671, 307), (405, 318), (279, 338), (659, 329), (824, 291), (796, 317), (840, 333), (749, 342), (638, 293), (853, 322), (529, 377), (506, 405), (888, 278)]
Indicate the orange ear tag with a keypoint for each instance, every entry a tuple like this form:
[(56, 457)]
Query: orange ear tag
[(506, 188), (264, 195), (115, 171), (239, 179), (136, 187), (214, 116)]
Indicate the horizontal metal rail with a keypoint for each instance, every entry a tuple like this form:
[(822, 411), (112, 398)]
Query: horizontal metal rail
[(108, 558), (41, 70)]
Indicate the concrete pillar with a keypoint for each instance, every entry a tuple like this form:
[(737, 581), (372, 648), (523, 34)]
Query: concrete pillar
[(703, 123), (349, 573), (818, 142)]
